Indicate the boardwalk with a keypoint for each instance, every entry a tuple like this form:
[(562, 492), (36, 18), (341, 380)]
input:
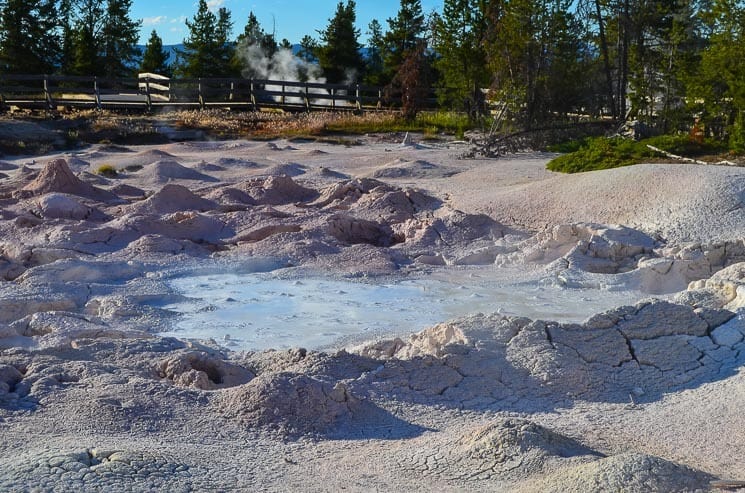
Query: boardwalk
[(151, 91)]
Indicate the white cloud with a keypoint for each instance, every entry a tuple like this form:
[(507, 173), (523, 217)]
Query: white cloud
[(215, 4), (179, 20), (154, 21)]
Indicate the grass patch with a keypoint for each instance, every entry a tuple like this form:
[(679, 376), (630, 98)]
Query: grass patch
[(107, 170), (598, 153), (431, 124)]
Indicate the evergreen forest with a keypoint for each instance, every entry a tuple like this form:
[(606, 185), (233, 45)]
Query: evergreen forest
[(671, 65)]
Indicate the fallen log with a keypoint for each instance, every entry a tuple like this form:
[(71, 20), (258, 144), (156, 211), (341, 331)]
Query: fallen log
[(728, 485), (687, 159)]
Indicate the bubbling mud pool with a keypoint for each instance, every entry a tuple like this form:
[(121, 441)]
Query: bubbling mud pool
[(257, 311)]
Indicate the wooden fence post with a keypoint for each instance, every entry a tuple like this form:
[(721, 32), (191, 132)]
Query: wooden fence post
[(252, 94), (227, 92), (147, 94), (47, 93), (97, 92)]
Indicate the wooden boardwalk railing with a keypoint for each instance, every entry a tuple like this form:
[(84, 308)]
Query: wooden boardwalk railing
[(151, 91)]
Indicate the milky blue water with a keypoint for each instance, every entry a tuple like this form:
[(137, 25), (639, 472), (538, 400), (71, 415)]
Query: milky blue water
[(259, 311)]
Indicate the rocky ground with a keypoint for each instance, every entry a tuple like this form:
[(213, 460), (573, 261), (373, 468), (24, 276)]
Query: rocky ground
[(640, 398)]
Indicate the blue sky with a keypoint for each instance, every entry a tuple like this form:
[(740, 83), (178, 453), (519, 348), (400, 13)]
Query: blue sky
[(292, 19)]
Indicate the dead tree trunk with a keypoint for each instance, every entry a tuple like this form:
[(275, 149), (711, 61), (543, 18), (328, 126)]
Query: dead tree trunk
[(606, 60)]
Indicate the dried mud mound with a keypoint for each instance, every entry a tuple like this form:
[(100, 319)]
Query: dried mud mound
[(173, 198), (230, 198), (273, 215), (62, 206), (144, 158), (57, 176), (624, 472), (352, 230), (380, 214), (287, 169), (507, 449), (166, 170), (325, 172), (598, 256), (640, 351), (124, 190), (401, 168), (681, 203), (201, 371), (725, 289), (278, 190), (287, 402)]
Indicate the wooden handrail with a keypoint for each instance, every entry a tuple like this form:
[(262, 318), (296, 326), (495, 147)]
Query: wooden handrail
[(151, 90)]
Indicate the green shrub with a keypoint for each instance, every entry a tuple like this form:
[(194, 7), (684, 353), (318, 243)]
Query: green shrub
[(684, 145), (566, 147), (107, 170), (597, 153)]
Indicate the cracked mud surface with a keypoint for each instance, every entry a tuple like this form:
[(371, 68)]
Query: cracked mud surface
[(640, 398)]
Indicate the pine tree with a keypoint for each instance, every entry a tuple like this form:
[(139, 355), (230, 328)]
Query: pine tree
[(193, 61), (255, 50), (224, 49), (533, 56), (375, 48), (29, 40), (339, 54), (155, 59), (459, 41), (661, 36), (66, 14), (86, 39), (716, 86), (404, 33), (308, 48), (207, 50), (254, 35), (84, 52), (119, 35)]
